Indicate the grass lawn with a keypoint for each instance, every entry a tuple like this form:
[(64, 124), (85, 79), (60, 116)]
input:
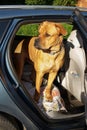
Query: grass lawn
[(32, 29)]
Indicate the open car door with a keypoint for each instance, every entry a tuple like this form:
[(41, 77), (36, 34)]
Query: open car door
[(75, 80)]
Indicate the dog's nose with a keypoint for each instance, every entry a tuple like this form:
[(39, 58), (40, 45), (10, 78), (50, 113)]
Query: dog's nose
[(36, 43), (37, 40)]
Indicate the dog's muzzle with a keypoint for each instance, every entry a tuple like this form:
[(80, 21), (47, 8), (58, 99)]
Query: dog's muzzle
[(36, 44)]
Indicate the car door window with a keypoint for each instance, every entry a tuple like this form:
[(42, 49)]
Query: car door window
[(3, 27)]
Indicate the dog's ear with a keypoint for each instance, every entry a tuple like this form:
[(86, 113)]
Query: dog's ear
[(42, 27), (62, 29)]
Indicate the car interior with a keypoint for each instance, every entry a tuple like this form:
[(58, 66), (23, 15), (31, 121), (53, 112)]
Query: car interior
[(70, 78)]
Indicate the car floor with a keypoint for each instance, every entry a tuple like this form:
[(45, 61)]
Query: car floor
[(73, 106)]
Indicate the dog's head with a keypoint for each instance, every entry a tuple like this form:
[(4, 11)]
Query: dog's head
[(50, 33)]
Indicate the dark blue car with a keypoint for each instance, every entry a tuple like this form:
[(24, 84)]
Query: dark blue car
[(18, 110)]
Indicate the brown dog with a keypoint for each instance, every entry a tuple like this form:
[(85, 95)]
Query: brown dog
[(47, 53)]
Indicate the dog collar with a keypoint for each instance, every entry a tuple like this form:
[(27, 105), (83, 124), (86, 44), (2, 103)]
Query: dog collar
[(56, 52), (53, 52)]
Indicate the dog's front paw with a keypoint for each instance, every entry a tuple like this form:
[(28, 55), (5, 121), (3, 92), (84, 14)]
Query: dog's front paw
[(47, 95)]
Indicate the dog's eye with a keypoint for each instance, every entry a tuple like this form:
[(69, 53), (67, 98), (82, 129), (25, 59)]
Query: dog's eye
[(47, 35)]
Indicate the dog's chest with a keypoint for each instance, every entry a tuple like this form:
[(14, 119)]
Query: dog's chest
[(48, 62)]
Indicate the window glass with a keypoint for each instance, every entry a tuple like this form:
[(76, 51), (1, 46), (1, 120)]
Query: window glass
[(3, 27)]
